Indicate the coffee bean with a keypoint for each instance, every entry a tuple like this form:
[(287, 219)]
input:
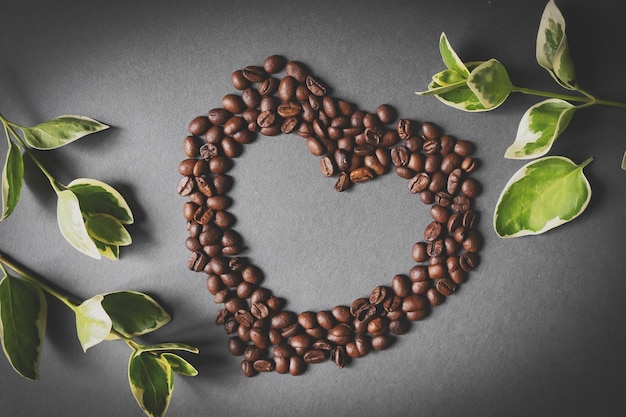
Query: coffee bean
[(361, 174), (199, 125), (419, 182), (386, 114), (239, 81), (343, 182), (268, 86), (430, 131), (274, 64), (454, 181), (297, 70), (185, 186), (400, 156), (315, 86), (340, 334), (218, 116), (289, 109), (470, 188), (464, 148), (314, 356), (296, 365)]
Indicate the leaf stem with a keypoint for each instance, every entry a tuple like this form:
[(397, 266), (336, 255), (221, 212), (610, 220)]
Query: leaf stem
[(587, 99), (42, 285)]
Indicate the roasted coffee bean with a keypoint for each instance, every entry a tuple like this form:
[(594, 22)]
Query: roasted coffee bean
[(404, 172), (289, 109), (263, 365), (266, 118), (473, 241), (252, 274), (445, 286), (296, 365), (343, 182), (199, 125), (454, 181), (401, 285), (208, 151), (372, 162), (189, 210), (386, 114), (239, 81), (233, 103), (431, 146), (338, 356), (443, 199), (315, 146), (220, 165), (432, 231), (287, 88), (461, 203), (341, 334), (438, 182), (468, 261), (430, 131), (470, 219), (329, 105), (219, 116), (254, 74), (314, 356), (191, 146), (341, 314), (419, 252), (289, 125), (361, 174), (470, 188), (464, 148), (419, 182), (327, 166), (315, 86), (197, 261), (432, 163), (381, 342), (231, 148), (400, 156), (274, 64), (450, 162), (268, 86), (447, 143), (251, 99), (248, 369), (185, 186), (269, 103), (378, 295), (406, 128), (234, 125), (297, 70), (468, 164)]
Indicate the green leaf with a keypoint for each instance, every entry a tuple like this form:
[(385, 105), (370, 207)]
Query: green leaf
[(461, 98), (490, 83), (108, 251), (552, 50), (134, 313), (180, 365), (434, 88), (540, 126), (448, 77), (23, 311), (98, 197), (450, 58), (542, 195), (151, 381), (60, 131), (12, 178), (70, 220), (107, 229), (93, 324), (169, 346)]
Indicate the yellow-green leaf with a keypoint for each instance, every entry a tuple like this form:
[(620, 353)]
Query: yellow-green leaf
[(540, 126), (542, 195), (107, 229), (12, 179), (72, 225), (180, 365), (60, 131), (98, 197), (134, 313), (552, 50), (450, 58), (23, 311), (490, 83), (93, 324), (151, 381)]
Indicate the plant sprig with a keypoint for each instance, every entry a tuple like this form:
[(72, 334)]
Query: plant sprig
[(114, 315), (485, 85), (91, 215)]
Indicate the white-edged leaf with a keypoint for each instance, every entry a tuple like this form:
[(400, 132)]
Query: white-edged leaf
[(180, 365), (72, 225), (12, 179), (450, 58), (151, 381), (93, 324), (540, 126), (542, 195), (134, 313), (107, 229), (98, 197), (108, 251), (60, 131), (435, 88), (23, 311), (490, 83), (624, 162), (170, 346), (461, 98), (552, 50)]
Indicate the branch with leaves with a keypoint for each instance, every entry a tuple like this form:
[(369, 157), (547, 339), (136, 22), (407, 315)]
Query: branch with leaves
[(114, 315), (91, 214), (552, 190)]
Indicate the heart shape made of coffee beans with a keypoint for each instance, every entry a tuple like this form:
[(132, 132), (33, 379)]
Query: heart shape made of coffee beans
[(355, 146)]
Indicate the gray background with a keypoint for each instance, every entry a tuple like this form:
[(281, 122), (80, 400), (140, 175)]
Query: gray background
[(537, 331)]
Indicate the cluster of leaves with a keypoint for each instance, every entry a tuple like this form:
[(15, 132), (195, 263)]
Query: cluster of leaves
[(114, 315), (551, 190), (91, 214)]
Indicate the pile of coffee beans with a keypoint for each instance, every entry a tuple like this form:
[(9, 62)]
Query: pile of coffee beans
[(353, 146)]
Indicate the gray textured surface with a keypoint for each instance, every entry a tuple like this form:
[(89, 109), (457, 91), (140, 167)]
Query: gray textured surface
[(537, 331)]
